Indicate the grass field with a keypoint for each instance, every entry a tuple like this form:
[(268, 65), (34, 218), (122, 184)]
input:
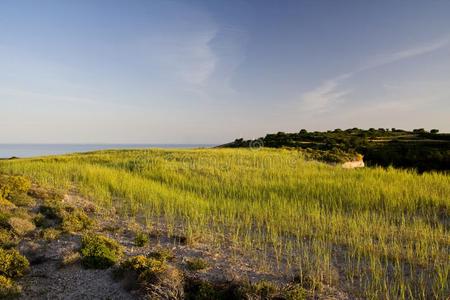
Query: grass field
[(375, 233)]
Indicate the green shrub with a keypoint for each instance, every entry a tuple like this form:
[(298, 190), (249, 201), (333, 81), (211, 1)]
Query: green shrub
[(7, 240), (4, 218), (23, 200), (295, 292), (196, 264), (50, 234), (202, 290), (142, 264), (13, 185), (8, 289), (69, 218), (141, 239), (76, 220), (12, 264), (265, 289), (162, 254), (21, 226), (99, 252)]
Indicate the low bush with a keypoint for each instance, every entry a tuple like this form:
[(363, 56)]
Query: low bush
[(21, 226), (13, 185), (7, 239), (70, 259), (22, 200), (264, 289), (141, 239), (295, 292), (50, 234), (76, 220), (99, 252), (69, 218), (196, 264), (162, 254), (8, 289), (12, 264)]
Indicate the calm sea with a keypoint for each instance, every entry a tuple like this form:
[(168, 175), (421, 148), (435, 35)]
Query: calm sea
[(30, 150)]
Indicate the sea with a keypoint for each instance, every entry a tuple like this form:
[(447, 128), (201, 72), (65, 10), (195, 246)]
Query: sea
[(34, 150)]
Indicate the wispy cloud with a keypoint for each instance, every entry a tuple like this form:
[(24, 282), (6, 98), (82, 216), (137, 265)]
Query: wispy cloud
[(330, 91)]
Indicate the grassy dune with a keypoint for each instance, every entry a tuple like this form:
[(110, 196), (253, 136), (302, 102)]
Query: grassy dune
[(375, 233)]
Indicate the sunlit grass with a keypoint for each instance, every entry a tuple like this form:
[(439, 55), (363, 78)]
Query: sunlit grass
[(377, 233)]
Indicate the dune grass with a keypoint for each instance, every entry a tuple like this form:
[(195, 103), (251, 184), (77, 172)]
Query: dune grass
[(377, 233)]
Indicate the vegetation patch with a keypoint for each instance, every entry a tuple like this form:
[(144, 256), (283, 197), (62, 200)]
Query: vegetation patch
[(12, 264), (50, 234), (99, 252), (141, 239), (197, 264), (8, 289), (7, 239), (21, 226), (164, 254), (70, 259)]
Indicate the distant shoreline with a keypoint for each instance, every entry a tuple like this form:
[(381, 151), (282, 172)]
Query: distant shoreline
[(8, 151)]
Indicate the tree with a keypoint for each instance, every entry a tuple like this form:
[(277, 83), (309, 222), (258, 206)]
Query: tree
[(434, 131)]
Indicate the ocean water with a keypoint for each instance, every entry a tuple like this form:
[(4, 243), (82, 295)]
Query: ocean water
[(32, 150)]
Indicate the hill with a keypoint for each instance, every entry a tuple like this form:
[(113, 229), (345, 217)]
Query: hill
[(418, 149)]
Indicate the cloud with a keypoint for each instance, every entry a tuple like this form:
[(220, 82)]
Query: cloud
[(322, 97), (330, 91)]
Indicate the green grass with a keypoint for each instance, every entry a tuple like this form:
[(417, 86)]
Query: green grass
[(378, 233)]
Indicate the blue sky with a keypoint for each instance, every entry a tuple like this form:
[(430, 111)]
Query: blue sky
[(210, 71)]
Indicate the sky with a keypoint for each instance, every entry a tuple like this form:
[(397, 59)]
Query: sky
[(163, 71)]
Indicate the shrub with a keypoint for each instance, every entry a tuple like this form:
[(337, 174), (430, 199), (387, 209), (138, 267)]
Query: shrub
[(23, 200), (196, 264), (99, 252), (6, 204), (295, 292), (21, 226), (12, 264), (6, 239), (71, 219), (201, 290), (76, 220), (13, 185), (8, 289), (265, 289), (70, 259), (4, 218), (50, 234), (145, 267), (162, 254), (141, 239)]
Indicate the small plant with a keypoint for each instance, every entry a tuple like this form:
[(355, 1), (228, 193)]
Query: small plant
[(7, 240), (76, 220), (165, 254), (8, 289), (265, 289), (50, 234), (12, 264), (11, 186), (196, 264), (142, 264), (70, 259), (141, 239), (201, 290), (295, 292), (22, 200), (99, 252), (21, 226)]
